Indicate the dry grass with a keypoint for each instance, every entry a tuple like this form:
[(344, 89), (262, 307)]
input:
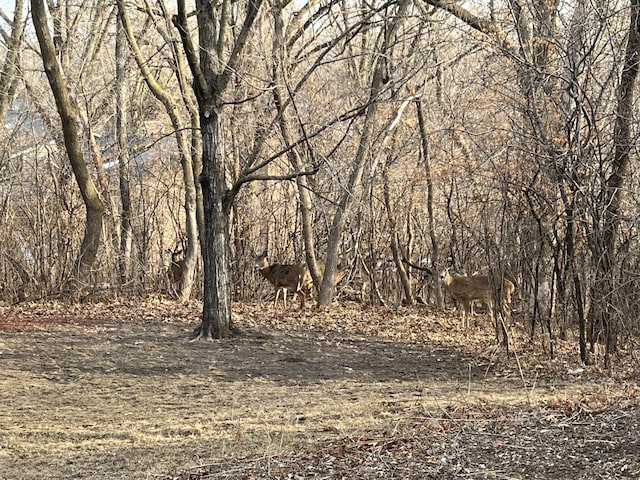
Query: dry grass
[(117, 391)]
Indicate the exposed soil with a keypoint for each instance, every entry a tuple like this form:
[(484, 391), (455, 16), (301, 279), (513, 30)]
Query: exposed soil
[(117, 391)]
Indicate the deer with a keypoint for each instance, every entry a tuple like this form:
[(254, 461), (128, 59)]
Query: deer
[(284, 277), (478, 287), (175, 270), (307, 285)]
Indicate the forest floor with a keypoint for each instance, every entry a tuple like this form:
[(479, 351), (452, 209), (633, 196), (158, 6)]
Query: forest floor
[(118, 391)]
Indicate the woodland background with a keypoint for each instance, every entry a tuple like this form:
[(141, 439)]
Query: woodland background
[(484, 136)]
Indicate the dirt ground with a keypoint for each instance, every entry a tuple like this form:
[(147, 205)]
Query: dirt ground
[(117, 391)]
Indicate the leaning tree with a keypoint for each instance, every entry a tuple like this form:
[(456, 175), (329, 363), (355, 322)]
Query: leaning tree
[(94, 205)]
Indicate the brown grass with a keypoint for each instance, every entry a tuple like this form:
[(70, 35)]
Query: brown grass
[(117, 391)]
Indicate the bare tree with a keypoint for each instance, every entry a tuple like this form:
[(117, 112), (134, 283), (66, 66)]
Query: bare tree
[(434, 244), (280, 74), (212, 68), (9, 74), (184, 144), (613, 188), (380, 77), (69, 118), (124, 176)]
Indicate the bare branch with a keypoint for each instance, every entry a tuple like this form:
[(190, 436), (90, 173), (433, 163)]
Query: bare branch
[(180, 22), (489, 27), (253, 6)]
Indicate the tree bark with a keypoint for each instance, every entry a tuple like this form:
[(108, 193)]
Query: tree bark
[(216, 313), (122, 123), (211, 75)]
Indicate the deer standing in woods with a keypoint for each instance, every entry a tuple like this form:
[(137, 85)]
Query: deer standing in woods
[(175, 270), (478, 287), (292, 277), (284, 277)]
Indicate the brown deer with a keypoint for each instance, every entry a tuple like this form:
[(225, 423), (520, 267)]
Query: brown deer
[(175, 270), (284, 277), (307, 285), (478, 287)]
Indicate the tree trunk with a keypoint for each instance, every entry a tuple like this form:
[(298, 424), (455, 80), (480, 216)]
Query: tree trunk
[(569, 241), (353, 187), (435, 247), (212, 74), (68, 117), (612, 195), (292, 153), (122, 122), (216, 313), (9, 72)]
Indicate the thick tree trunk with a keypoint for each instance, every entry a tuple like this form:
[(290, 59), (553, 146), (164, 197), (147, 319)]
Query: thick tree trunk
[(216, 309), (211, 76)]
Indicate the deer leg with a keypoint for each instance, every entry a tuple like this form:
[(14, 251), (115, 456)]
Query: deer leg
[(275, 301), (302, 299), (466, 309), (506, 308)]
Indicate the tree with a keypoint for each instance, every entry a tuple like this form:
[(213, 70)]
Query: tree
[(433, 242), (281, 72), (352, 190), (124, 176), (613, 188), (9, 73), (218, 59), (184, 144), (93, 203)]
